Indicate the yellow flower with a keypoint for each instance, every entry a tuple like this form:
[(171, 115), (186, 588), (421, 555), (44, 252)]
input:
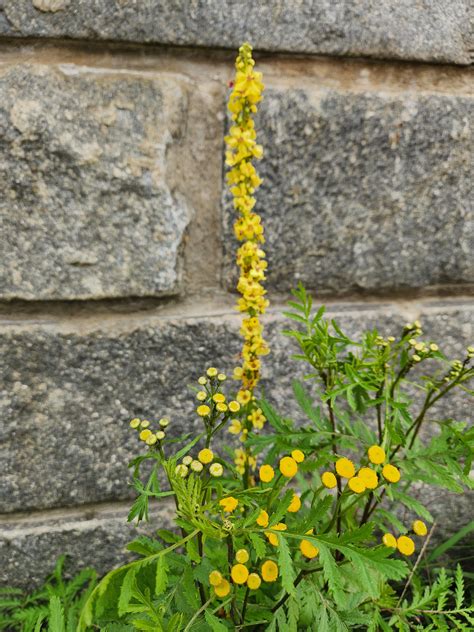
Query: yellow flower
[(266, 473), (134, 423), (222, 408), (242, 556), (201, 396), (216, 470), (356, 485), (263, 519), (187, 460), (298, 456), (218, 397), (272, 537), (329, 480), (202, 381), (369, 477), (164, 422), (160, 435), (222, 377), (243, 397), (295, 504), (405, 545), (151, 440), (223, 589), (257, 418), (239, 574), (144, 434), (145, 423), (391, 473), (181, 470), (419, 527), (254, 581), (390, 540), (237, 373), (308, 549), (235, 427), (206, 456), (234, 406), (288, 466), (203, 410), (229, 504), (345, 468), (196, 466), (269, 571), (376, 454), (212, 372), (215, 578)]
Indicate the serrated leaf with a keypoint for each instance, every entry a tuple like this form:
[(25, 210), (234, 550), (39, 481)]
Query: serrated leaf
[(285, 563), (126, 592), (258, 544), (56, 615), (162, 569), (214, 623)]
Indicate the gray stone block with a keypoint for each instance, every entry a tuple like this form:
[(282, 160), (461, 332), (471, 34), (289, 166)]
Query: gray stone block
[(432, 31), (363, 191), (29, 547), (68, 391), (87, 210)]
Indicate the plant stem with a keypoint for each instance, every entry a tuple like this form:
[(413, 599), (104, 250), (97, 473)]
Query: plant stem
[(196, 614), (202, 594), (244, 607), (423, 548)]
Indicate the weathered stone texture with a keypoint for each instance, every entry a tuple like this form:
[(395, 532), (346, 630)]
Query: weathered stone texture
[(434, 30), (97, 539), (86, 209), (364, 191), (67, 394)]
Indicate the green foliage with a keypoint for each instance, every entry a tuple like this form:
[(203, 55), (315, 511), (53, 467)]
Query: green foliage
[(55, 606)]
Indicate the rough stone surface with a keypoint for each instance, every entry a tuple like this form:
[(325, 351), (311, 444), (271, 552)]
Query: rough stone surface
[(434, 30), (86, 209), (364, 191), (29, 548), (68, 392)]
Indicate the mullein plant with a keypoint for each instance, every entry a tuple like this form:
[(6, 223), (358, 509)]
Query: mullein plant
[(310, 526)]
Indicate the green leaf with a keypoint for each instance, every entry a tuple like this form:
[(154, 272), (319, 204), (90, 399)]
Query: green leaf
[(162, 569), (459, 587), (126, 592), (285, 562), (258, 544), (214, 623), (56, 615), (452, 541)]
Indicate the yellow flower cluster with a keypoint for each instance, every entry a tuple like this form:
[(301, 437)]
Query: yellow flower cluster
[(205, 457), (240, 575), (404, 543), (366, 477), (145, 433), (243, 180)]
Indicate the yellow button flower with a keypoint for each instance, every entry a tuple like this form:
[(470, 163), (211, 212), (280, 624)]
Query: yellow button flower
[(235, 427), (222, 408), (273, 537), (269, 571), (391, 473), (288, 466), (329, 480), (145, 423), (222, 377), (234, 406), (216, 470), (212, 372), (263, 519), (266, 473), (160, 435), (405, 545), (356, 485), (390, 540), (201, 396), (298, 456), (223, 589), (345, 468), (239, 574), (242, 556), (202, 381), (134, 423), (151, 440), (164, 422), (218, 397), (206, 456), (369, 477), (254, 581), (376, 454), (308, 549), (196, 466), (229, 503), (215, 578), (295, 504), (419, 527), (203, 410), (144, 434), (181, 470)]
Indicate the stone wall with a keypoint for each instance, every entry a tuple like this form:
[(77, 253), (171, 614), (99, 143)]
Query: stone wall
[(116, 276)]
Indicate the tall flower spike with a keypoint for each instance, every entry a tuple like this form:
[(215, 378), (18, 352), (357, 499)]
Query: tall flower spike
[(243, 180)]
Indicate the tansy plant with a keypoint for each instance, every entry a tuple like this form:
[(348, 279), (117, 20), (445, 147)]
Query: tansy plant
[(315, 525)]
